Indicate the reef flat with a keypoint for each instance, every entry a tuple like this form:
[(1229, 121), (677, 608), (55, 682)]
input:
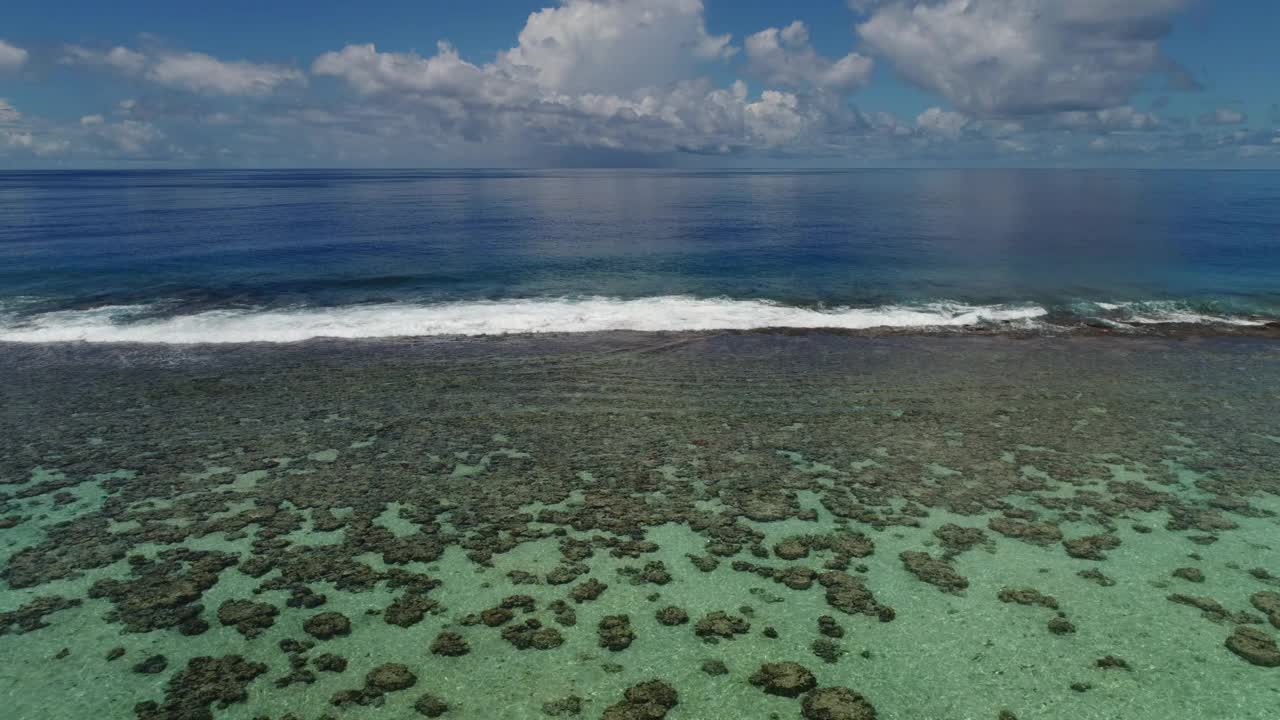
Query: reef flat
[(628, 525)]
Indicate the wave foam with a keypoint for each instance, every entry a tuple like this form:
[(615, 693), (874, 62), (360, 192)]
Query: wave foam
[(120, 324), (1168, 313)]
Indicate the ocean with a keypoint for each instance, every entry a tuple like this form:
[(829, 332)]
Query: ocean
[(191, 257), (906, 445)]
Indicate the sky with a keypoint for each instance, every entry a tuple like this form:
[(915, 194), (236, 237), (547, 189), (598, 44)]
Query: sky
[(640, 83)]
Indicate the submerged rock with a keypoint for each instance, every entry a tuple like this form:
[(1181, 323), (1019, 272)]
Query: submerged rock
[(650, 700), (705, 563), (390, 677), (431, 706), (163, 592), (494, 617), (672, 616), (522, 577), (328, 662), (450, 644), (1097, 576), (848, 593), (565, 574), (301, 596), (31, 616), (938, 573), (532, 635), (787, 679), (956, 539), (249, 618), (519, 602), (827, 649), (566, 706), (204, 682), (1255, 646), (1110, 662), (152, 665), (1267, 602), (1061, 626), (714, 668), (564, 613), (615, 632), (589, 590), (1027, 596), (792, 548), (1189, 574), (409, 609), (327, 625), (653, 573), (836, 703), (1213, 610), (1091, 547), (1035, 533), (719, 624)]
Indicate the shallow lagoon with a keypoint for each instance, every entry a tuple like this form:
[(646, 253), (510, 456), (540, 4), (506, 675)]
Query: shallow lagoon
[(426, 481)]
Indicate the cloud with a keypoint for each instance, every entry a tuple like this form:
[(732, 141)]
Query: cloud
[(614, 45), (444, 74), (121, 59), (26, 142), (785, 58), (130, 137), (645, 82), (1117, 119), (1023, 57), (1224, 116), (8, 113), (580, 47), (614, 75), (188, 71), (12, 57), (202, 73), (942, 122)]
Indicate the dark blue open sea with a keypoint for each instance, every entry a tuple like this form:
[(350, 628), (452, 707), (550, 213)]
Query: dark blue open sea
[(185, 257)]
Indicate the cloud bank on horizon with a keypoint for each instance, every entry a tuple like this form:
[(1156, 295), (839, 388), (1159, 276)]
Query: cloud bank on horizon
[(1023, 82)]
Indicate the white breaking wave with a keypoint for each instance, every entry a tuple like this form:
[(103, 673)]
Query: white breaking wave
[(120, 323), (1168, 313)]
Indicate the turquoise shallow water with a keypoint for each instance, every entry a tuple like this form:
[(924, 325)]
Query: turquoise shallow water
[(457, 474)]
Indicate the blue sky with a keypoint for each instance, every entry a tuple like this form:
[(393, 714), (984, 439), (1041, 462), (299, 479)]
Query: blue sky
[(687, 83)]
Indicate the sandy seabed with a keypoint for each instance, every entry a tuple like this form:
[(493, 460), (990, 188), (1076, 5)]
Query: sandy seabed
[(635, 526)]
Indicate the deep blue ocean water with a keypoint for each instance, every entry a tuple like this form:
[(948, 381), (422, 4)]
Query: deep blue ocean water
[(284, 255)]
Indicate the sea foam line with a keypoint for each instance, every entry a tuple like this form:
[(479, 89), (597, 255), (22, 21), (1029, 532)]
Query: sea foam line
[(1165, 312), (120, 324)]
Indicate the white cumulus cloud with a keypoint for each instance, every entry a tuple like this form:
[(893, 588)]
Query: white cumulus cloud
[(12, 57), (784, 57), (189, 71), (8, 113), (1123, 118), (942, 122), (1224, 116), (1020, 57), (618, 75), (614, 45), (198, 72)]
